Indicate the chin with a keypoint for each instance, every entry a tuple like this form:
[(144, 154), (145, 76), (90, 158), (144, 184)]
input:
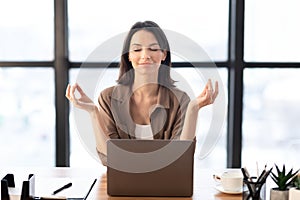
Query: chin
[(146, 70)]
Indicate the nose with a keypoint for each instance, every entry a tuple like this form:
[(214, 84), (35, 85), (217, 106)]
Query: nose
[(145, 54)]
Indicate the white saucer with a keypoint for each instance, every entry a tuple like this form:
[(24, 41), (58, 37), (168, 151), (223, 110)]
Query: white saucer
[(220, 188)]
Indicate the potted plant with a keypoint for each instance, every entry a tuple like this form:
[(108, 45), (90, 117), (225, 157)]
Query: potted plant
[(283, 181), (294, 193)]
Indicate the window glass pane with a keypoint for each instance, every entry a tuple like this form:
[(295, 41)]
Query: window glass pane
[(26, 30), (271, 129), (27, 117), (272, 31), (93, 22), (193, 85)]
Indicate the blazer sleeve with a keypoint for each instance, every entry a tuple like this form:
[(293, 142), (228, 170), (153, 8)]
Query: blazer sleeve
[(107, 122), (180, 116)]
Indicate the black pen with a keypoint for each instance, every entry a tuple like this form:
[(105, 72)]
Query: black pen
[(262, 175), (246, 176), (90, 189), (62, 188)]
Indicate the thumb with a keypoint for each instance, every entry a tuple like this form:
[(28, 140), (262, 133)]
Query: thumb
[(80, 90)]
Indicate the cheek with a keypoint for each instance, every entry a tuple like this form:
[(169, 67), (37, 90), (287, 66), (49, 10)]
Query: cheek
[(132, 57), (133, 60), (159, 58), (162, 56)]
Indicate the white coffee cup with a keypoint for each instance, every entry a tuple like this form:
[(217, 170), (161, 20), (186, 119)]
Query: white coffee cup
[(231, 181)]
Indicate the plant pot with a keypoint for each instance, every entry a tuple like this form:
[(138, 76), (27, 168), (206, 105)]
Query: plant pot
[(294, 194), (276, 194)]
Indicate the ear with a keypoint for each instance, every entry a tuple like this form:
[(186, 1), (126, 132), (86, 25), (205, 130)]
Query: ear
[(164, 55)]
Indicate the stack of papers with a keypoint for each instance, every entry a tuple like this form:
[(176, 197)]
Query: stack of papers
[(44, 187)]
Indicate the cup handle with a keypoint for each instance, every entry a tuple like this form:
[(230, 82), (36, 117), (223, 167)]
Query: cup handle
[(217, 178)]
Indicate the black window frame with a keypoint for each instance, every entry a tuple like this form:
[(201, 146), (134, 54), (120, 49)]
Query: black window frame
[(235, 65)]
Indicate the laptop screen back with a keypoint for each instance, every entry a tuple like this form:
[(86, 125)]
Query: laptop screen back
[(150, 167)]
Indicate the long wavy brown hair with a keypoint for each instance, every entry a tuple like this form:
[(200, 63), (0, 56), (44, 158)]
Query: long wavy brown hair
[(126, 72)]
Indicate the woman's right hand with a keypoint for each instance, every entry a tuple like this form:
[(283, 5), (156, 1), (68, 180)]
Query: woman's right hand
[(83, 102)]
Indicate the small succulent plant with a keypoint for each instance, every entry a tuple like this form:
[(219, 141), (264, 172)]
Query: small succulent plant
[(297, 182), (282, 179)]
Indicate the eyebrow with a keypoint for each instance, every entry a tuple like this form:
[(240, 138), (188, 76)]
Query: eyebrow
[(136, 44)]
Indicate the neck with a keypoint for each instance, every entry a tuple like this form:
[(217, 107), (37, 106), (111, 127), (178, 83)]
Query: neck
[(148, 89), (144, 82)]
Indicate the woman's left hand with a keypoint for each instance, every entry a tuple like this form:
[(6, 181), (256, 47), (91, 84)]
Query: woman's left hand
[(208, 95)]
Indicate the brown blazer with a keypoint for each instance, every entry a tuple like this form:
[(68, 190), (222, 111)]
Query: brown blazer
[(166, 118)]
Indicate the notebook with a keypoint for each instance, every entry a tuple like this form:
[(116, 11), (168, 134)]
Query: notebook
[(161, 168)]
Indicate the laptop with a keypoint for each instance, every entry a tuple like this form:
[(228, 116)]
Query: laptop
[(155, 168)]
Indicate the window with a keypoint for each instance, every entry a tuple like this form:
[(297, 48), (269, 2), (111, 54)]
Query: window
[(270, 116), (270, 110), (27, 117), (270, 62), (26, 30), (271, 31), (93, 22), (27, 113)]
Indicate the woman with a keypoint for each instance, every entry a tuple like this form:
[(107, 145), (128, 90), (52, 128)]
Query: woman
[(144, 104)]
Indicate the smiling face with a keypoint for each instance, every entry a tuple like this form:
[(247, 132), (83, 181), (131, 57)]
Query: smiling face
[(145, 52), (145, 35)]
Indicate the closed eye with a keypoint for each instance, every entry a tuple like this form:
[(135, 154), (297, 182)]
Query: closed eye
[(137, 50), (154, 49), (150, 49)]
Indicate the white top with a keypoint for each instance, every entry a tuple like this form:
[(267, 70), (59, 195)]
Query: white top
[(143, 132)]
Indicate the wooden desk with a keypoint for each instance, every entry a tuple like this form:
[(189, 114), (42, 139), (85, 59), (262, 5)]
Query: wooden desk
[(203, 189), (203, 182)]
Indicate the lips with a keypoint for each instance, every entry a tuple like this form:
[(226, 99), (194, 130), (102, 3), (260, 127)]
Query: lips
[(145, 64)]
